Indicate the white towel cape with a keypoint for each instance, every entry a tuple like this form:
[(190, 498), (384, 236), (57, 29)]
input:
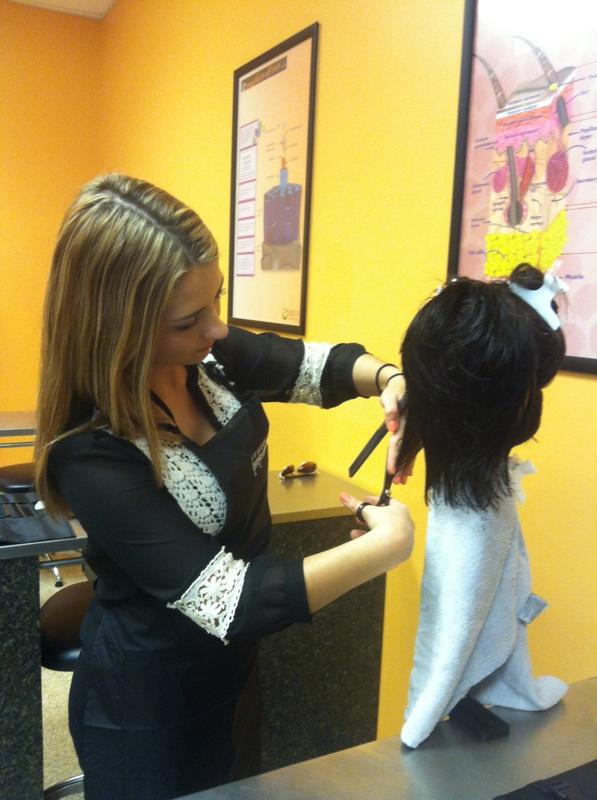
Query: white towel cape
[(476, 602)]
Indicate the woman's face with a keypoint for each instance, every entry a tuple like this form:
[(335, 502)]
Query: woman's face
[(190, 322)]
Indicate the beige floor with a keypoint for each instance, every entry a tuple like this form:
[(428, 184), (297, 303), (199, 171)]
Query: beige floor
[(60, 761)]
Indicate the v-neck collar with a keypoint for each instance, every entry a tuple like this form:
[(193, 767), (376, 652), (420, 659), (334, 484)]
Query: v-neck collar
[(192, 386)]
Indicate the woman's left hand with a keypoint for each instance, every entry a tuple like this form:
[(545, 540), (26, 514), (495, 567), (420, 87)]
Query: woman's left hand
[(389, 399)]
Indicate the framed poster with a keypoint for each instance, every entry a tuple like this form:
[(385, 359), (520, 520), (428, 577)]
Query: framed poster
[(272, 154), (525, 186)]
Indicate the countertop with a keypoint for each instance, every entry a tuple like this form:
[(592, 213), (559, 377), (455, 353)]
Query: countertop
[(310, 497), (450, 765), (17, 423)]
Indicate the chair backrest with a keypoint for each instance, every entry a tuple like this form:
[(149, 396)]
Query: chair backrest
[(17, 478), (60, 621)]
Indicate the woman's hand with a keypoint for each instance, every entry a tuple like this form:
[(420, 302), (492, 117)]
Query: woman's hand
[(389, 399), (371, 377), (333, 572), (392, 522)]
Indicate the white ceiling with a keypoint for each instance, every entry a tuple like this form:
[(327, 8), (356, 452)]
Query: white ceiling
[(96, 9)]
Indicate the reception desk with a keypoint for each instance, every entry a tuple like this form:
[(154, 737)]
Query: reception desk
[(320, 682), (21, 756)]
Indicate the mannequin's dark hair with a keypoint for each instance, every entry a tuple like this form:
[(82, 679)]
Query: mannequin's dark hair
[(475, 359)]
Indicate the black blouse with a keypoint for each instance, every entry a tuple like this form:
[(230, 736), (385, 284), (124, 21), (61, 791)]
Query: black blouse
[(197, 545)]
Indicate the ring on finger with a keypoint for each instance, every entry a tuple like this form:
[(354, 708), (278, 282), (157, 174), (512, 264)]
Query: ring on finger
[(359, 511)]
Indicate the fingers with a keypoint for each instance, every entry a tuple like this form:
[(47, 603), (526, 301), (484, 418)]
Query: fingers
[(354, 504), (392, 420), (393, 448), (392, 522), (349, 502), (391, 412), (395, 424), (389, 402), (404, 474)]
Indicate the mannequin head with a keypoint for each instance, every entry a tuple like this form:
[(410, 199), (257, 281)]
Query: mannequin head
[(475, 358)]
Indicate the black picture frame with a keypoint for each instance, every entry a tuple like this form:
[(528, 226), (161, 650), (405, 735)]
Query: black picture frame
[(274, 214), (573, 363)]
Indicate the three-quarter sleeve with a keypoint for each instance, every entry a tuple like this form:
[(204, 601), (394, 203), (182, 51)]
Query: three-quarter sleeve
[(274, 596), (281, 369), (148, 544)]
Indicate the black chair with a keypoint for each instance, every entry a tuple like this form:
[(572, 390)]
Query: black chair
[(60, 621), (17, 479)]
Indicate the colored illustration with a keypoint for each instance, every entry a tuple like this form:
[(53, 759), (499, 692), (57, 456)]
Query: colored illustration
[(527, 207), (281, 216), (527, 186), (271, 186)]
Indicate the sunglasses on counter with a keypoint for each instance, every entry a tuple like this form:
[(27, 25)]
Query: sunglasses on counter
[(304, 470)]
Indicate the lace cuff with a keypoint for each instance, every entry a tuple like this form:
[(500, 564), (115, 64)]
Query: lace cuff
[(307, 388), (211, 599)]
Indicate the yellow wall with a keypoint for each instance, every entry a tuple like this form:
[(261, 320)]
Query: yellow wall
[(387, 93), (48, 143)]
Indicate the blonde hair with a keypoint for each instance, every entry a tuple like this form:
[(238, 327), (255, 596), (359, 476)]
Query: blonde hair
[(121, 248)]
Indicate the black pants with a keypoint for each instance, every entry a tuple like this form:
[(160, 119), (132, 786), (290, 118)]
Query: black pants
[(156, 727)]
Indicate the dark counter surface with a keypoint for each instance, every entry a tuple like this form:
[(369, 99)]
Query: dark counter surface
[(78, 542), (450, 765)]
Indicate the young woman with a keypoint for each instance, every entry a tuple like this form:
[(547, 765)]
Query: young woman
[(151, 431), (476, 358)]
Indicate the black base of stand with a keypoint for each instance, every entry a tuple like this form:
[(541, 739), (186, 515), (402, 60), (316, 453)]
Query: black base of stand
[(478, 720)]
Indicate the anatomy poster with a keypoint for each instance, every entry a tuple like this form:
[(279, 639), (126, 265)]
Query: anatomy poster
[(529, 190), (273, 122)]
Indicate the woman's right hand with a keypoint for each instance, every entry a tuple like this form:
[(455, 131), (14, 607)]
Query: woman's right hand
[(331, 573), (392, 523)]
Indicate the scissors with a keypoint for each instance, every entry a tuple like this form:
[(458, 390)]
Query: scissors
[(374, 441)]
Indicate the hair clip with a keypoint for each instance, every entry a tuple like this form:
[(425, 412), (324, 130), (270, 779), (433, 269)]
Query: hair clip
[(541, 299)]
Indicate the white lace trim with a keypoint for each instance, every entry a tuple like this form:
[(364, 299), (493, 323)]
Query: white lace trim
[(258, 456), (307, 387), (211, 599), (192, 484), (221, 401)]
